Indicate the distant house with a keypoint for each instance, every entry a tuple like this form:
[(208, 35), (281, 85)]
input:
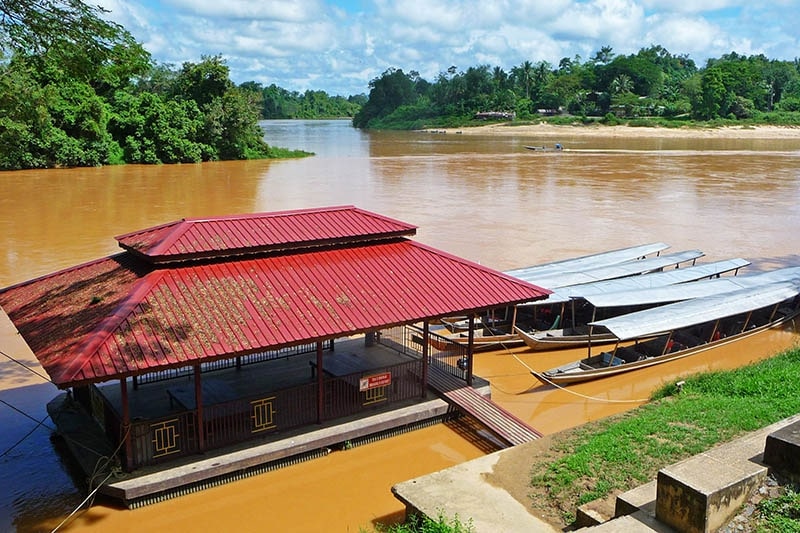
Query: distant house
[(495, 115)]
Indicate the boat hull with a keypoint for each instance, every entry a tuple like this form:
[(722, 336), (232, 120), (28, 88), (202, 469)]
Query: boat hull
[(557, 340), (575, 372)]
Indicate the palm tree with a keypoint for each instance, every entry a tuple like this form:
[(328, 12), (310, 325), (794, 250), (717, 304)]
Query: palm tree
[(621, 84), (524, 73)]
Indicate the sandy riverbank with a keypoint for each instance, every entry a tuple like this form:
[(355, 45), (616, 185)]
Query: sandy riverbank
[(549, 130)]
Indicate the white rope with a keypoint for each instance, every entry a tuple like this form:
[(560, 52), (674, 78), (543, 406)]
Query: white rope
[(89, 497)]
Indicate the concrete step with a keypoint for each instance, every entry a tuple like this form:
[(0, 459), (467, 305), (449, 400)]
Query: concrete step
[(782, 451), (641, 498), (638, 522), (702, 493)]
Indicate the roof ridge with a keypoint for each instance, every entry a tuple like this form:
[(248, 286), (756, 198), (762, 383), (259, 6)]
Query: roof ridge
[(270, 214), (63, 271), (545, 291)]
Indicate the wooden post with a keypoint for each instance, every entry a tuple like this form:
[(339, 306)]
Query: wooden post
[(470, 346), (126, 424), (320, 384), (198, 404), (426, 351)]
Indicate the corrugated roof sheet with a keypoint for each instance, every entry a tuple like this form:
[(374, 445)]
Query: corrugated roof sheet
[(699, 310), (261, 232), (120, 316), (640, 283), (586, 262)]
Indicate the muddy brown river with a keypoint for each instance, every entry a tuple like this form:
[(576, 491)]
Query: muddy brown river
[(485, 198)]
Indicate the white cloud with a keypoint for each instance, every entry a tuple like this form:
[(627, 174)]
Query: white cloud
[(279, 10), (691, 6), (307, 44)]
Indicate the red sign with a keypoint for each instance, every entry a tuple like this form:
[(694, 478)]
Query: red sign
[(376, 380)]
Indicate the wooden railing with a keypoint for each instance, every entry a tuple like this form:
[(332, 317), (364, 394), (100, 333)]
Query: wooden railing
[(345, 395), (443, 353), (222, 364), (157, 440)]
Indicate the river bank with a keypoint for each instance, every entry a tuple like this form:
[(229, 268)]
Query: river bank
[(598, 130), (574, 462)]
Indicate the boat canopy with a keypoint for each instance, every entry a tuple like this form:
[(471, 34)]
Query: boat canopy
[(698, 311), (686, 291), (621, 270), (586, 262), (635, 283)]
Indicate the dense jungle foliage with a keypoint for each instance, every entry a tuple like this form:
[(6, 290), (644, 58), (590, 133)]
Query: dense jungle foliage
[(652, 83), (76, 90)]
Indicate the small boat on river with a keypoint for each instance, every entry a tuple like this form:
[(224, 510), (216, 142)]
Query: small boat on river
[(666, 333), (558, 147)]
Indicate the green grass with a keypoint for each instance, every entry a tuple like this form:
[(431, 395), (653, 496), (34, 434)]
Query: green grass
[(428, 525), (781, 514), (627, 450)]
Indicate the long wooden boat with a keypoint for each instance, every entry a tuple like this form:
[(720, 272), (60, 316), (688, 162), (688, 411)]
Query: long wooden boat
[(503, 333), (609, 272), (558, 339), (683, 329), (620, 302), (665, 278), (586, 262), (481, 341)]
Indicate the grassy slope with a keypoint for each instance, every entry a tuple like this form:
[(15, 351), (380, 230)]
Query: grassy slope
[(622, 452)]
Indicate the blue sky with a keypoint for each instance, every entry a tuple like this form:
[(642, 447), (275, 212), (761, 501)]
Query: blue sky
[(340, 45)]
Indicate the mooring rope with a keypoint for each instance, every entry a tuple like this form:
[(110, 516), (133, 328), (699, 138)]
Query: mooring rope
[(89, 497), (539, 376), (26, 367)]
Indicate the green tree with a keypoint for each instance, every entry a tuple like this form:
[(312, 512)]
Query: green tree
[(203, 82), (523, 75), (388, 92), (231, 126), (153, 129), (69, 31)]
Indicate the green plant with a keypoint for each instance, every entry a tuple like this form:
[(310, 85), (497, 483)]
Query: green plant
[(781, 514), (425, 524)]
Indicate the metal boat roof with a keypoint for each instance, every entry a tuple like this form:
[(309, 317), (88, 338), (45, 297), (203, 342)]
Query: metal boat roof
[(637, 283), (586, 262), (686, 291), (698, 311), (621, 270)]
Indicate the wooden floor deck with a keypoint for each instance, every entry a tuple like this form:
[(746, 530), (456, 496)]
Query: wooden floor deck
[(501, 422)]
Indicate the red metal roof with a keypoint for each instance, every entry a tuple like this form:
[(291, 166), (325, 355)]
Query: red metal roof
[(120, 316), (262, 232)]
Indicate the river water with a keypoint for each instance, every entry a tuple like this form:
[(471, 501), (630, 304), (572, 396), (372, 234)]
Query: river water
[(484, 198)]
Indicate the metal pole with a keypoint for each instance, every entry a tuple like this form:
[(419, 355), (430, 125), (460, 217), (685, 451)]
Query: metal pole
[(320, 384), (426, 350), (198, 404), (470, 346), (126, 424)]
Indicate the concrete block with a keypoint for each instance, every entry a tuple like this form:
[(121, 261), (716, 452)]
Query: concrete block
[(638, 522), (642, 498), (702, 493), (782, 451), (587, 516)]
